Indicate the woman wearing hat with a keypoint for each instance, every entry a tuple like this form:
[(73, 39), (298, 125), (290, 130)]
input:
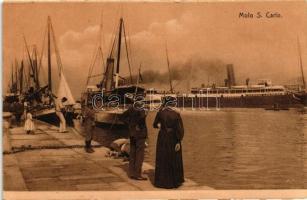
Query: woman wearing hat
[(169, 164)]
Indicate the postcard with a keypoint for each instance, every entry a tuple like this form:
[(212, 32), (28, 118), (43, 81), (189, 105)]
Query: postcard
[(154, 99)]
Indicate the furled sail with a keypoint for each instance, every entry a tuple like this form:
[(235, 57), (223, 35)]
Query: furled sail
[(64, 90)]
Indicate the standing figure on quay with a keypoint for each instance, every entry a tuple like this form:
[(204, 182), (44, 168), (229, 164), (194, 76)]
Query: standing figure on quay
[(60, 110), (135, 118), (169, 165), (89, 125)]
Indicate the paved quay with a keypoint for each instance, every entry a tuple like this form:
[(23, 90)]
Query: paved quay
[(52, 161)]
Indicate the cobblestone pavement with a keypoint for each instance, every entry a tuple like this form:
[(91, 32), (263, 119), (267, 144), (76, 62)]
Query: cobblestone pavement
[(59, 168)]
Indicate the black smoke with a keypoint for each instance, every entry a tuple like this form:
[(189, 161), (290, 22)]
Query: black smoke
[(196, 71)]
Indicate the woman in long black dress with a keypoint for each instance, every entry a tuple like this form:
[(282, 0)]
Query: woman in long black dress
[(169, 164)]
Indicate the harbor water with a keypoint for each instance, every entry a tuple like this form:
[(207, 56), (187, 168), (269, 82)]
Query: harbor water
[(237, 148)]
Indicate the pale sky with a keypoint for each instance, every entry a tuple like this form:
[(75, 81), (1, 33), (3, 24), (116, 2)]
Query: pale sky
[(195, 33)]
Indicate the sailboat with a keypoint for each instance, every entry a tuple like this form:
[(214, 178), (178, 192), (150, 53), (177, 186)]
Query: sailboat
[(15, 86), (45, 111), (111, 97)]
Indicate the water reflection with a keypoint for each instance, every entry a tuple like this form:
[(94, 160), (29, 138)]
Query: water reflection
[(237, 148)]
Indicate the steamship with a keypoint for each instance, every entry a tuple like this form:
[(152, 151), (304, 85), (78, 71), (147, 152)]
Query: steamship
[(112, 96), (261, 95)]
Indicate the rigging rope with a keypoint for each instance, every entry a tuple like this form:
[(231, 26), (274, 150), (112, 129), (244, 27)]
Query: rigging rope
[(129, 45), (102, 59), (42, 53), (113, 42), (57, 53), (28, 54), (128, 60), (101, 40), (91, 67), (97, 51), (112, 45), (94, 55), (27, 80)]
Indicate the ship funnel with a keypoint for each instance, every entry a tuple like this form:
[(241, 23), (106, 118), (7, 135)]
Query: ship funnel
[(230, 75), (109, 74)]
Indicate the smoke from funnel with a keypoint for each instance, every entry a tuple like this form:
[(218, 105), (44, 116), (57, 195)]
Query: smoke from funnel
[(192, 73)]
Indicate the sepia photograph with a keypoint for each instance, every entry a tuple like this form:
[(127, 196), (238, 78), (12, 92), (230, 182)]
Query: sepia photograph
[(173, 100)]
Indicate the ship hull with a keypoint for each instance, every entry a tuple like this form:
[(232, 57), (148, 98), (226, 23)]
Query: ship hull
[(302, 97), (118, 96), (48, 115), (284, 101), (109, 118)]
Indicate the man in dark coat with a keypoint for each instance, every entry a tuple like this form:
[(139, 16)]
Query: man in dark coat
[(18, 111), (89, 126), (169, 164), (135, 118)]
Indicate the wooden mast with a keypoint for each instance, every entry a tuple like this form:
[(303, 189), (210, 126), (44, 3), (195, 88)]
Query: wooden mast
[(35, 68), (169, 70), (21, 77), (118, 52), (101, 42), (12, 77), (49, 56), (31, 69), (16, 76), (300, 62)]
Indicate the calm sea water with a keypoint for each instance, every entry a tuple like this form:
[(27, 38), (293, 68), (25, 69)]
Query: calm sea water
[(237, 148)]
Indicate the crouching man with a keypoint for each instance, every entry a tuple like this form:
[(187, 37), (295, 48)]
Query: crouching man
[(119, 148)]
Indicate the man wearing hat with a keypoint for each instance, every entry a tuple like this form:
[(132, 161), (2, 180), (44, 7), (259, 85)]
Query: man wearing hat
[(89, 125), (135, 118)]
